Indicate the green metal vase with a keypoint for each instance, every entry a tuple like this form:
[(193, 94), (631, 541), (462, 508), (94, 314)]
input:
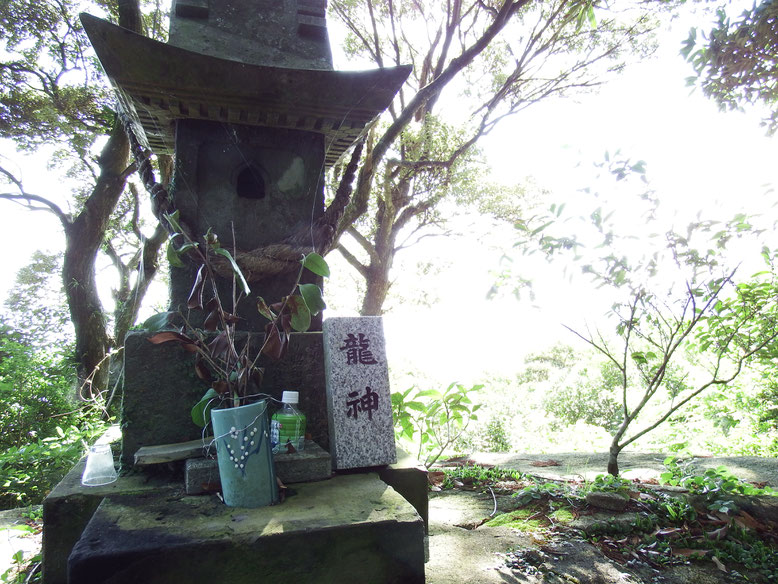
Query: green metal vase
[(246, 468)]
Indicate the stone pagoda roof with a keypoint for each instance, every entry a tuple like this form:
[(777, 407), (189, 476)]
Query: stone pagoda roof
[(158, 83)]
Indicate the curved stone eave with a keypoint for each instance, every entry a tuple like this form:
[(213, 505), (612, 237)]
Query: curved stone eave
[(158, 83)]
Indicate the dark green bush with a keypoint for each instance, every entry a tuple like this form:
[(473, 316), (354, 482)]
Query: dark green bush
[(44, 428), (36, 393)]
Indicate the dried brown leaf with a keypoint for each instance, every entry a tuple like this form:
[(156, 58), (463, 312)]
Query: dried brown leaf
[(186, 343), (202, 371), (747, 521), (549, 462), (195, 299), (221, 387), (212, 321), (220, 346), (719, 533)]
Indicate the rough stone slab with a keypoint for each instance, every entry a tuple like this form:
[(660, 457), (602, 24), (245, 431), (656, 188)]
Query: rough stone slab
[(409, 478), (609, 501), (351, 529), (201, 475), (147, 455), (312, 464), (191, 8), (358, 396), (70, 505)]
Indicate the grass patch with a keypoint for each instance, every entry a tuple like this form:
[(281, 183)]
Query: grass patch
[(476, 476), (531, 518)]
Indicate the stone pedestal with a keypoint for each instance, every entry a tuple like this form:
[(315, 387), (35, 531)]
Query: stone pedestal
[(370, 507), (70, 506), (351, 529)]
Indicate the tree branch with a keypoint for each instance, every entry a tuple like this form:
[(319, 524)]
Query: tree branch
[(352, 260)]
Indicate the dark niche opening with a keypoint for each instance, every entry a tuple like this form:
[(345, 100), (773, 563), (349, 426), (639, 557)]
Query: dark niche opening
[(250, 184)]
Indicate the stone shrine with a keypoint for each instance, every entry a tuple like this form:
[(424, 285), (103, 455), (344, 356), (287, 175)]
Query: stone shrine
[(245, 97)]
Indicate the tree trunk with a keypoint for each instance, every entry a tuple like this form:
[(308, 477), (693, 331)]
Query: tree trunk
[(613, 459), (378, 285), (83, 238), (128, 305)]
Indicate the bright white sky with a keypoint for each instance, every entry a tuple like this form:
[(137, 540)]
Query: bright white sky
[(697, 158)]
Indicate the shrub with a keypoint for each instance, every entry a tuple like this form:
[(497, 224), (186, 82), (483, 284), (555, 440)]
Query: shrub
[(35, 393), (433, 420), (28, 472)]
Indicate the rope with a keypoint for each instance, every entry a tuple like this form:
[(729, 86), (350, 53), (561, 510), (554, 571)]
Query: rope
[(264, 262)]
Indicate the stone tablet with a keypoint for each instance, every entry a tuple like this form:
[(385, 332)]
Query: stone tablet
[(358, 398)]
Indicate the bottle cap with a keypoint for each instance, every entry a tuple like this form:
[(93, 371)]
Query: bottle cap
[(290, 397)]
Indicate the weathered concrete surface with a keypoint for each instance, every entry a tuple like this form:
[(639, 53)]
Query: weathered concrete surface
[(462, 550), (162, 453), (68, 508), (409, 478), (349, 529), (312, 464), (263, 32), (201, 475)]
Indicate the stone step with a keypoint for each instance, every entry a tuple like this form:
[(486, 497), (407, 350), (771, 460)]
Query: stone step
[(201, 475), (164, 453), (350, 529)]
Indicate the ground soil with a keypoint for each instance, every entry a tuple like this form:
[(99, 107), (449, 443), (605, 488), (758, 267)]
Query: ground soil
[(462, 550)]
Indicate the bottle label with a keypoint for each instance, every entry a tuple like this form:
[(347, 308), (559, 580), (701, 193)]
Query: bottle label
[(287, 433)]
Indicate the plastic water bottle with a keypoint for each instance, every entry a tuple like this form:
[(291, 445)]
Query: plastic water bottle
[(287, 426)]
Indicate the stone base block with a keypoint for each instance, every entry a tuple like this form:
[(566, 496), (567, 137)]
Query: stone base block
[(312, 464), (70, 505), (201, 476), (160, 388), (351, 529), (409, 478)]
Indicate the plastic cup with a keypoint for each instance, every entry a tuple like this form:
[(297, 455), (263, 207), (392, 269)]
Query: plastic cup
[(99, 466)]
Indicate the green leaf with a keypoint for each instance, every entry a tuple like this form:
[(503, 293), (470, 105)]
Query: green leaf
[(316, 264), (301, 316), (541, 228), (186, 247), (173, 219), (158, 322), (264, 309), (416, 406), (430, 393), (591, 16), (172, 256), (311, 293), (235, 268), (201, 412)]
